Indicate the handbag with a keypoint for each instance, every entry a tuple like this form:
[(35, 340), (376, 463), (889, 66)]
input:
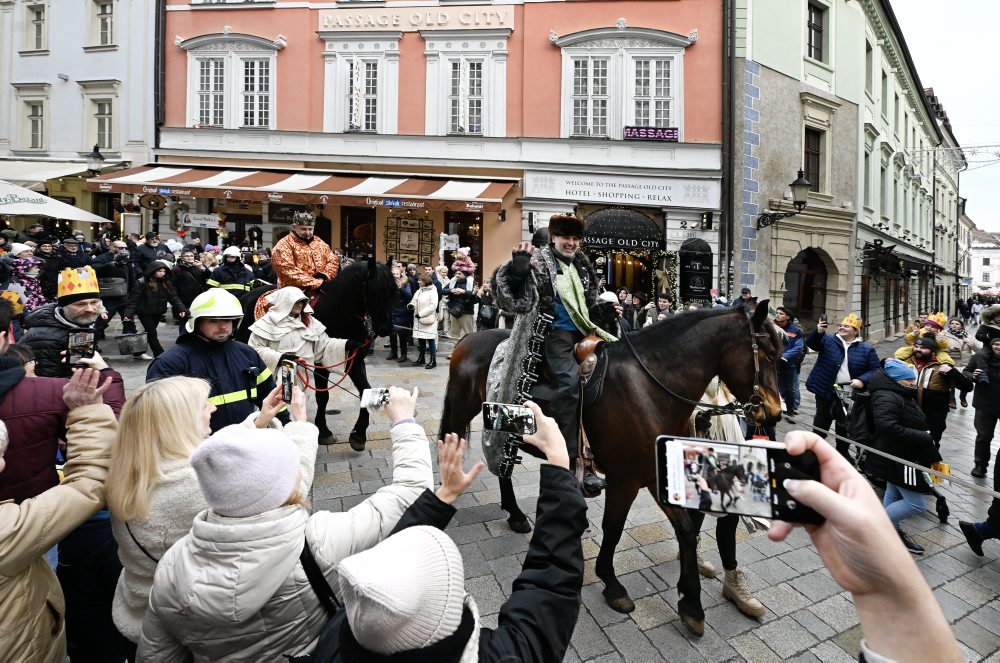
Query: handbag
[(113, 287), (455, 309)]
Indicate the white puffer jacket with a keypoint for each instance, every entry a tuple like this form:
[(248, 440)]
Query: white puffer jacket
[(173, 505), (234, 590)]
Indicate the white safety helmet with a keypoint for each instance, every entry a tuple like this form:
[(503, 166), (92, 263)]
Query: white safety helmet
[(215, 303), (231, 251)]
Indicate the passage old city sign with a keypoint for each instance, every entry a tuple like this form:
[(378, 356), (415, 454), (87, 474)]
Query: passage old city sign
[(411, 19)]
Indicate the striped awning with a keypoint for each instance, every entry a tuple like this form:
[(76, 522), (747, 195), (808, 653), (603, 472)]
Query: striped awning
[(311, 186)]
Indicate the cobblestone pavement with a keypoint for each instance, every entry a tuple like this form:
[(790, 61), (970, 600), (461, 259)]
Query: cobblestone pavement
[(808, 617)]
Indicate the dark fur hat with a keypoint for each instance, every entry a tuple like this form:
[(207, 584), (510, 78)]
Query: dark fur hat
[(565, 225)]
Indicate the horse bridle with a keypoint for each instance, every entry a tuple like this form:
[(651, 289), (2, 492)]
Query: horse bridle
[(755, 402)]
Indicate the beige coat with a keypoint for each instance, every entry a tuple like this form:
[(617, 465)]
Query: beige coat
[(173, 505), (32, 608), (425, 318), (234, 589)]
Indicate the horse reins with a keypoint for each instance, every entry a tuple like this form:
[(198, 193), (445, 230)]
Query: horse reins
[(312, 368), (735, 408)]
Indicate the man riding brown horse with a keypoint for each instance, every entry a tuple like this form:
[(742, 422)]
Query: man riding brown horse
[(554, 292)]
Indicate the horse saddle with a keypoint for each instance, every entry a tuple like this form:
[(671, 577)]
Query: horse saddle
[(592, 357)]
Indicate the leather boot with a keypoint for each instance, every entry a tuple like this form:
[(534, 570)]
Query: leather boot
[(392, 356), (432, 363), (735, 589), (979, 471), (419, 361), (402, 356)]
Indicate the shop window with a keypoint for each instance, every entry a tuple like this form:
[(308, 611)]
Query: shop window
[(231, 81), (36, 27), (361, 82), (466, 82), (617, 77)]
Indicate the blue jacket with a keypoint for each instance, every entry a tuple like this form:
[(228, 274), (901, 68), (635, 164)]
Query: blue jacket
[(230, 367), (795, 348), (402, 316), (861, 361)]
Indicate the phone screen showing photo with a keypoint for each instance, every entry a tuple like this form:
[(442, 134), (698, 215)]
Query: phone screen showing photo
[(507, 418), (80, 345)]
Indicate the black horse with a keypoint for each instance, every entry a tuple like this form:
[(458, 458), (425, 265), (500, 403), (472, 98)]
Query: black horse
[(726, 486), (684, 353), (363, 291)]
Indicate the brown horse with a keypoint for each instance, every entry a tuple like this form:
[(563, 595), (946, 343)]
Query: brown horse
[(684, 353)]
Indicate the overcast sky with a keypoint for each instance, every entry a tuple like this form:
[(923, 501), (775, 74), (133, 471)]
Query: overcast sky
[(956, 49)]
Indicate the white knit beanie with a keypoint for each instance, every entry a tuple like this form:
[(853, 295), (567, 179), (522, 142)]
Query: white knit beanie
[(405, 593), (246, 471), (17, 249)]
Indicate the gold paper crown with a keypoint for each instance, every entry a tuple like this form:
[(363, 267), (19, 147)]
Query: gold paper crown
[(77, 283), (852, 320), (940, 319)]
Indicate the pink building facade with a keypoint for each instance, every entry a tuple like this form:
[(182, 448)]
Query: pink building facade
[(412, 128)]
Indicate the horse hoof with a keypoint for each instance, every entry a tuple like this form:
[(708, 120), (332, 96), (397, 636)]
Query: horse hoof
[(327, 438), (357, 441), (519, 525), (622, 604), (696, 626)]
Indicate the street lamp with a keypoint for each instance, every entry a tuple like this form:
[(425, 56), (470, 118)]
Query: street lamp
[(95, 161), (800, 188)]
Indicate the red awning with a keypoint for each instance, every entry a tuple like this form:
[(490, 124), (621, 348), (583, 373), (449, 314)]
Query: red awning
[(430, 192)]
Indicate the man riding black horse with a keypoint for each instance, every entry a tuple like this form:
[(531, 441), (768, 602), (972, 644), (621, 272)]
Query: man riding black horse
[(561, 282)]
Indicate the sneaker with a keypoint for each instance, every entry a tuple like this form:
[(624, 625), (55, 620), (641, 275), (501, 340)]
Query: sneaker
[(972, 537), (735, 589), (910, 544)]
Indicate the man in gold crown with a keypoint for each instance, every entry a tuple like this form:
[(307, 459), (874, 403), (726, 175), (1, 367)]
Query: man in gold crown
[(845, 362), (77, 308), (301, 259)]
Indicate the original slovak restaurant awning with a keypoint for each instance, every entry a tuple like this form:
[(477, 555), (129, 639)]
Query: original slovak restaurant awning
[(416, 192)]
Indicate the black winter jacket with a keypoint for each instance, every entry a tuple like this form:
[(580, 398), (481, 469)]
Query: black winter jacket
[(190, 281), (47, 332), (986, 397), (901, 430), (537, 621), (143, 302)]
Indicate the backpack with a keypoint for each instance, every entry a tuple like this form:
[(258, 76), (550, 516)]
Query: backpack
[(860, 421)]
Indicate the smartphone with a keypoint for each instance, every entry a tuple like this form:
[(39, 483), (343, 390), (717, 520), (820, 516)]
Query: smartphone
[(745, 479), (287, 380), (507, 418), (80, 345), (822, 318), (373, 399)]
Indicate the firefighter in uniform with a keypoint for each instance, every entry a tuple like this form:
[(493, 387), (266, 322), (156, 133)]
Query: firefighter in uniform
[(239, 378), (232, 274), (303, 260)]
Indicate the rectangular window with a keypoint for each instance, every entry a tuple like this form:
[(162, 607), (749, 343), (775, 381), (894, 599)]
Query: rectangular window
[(103, 118), (986, 277), (466, 97), (36, 125), (885, 96), (362, 95), (211, 92), (653, 93), (883, 191), (814, 27), (869, 68), (868, 180), (895, 106), (812, 157), (256, 93), (590, 97), (986, 262), (36, 28), (105, 22)]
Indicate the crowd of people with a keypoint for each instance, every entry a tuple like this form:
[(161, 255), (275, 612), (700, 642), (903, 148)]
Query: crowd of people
[(181, 528)]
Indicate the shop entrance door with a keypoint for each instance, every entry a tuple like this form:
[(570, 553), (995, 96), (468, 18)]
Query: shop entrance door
[(805, 286), (469, 228), (631, 270), (357, 230)]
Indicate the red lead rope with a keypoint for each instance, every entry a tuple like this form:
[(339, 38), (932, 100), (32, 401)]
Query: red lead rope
[(310, 368)]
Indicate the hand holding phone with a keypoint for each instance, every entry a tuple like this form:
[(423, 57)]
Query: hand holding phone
[(507, 418), (80, 345), (287, 380)]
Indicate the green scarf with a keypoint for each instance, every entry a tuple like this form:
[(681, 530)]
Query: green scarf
[(570, 290)]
